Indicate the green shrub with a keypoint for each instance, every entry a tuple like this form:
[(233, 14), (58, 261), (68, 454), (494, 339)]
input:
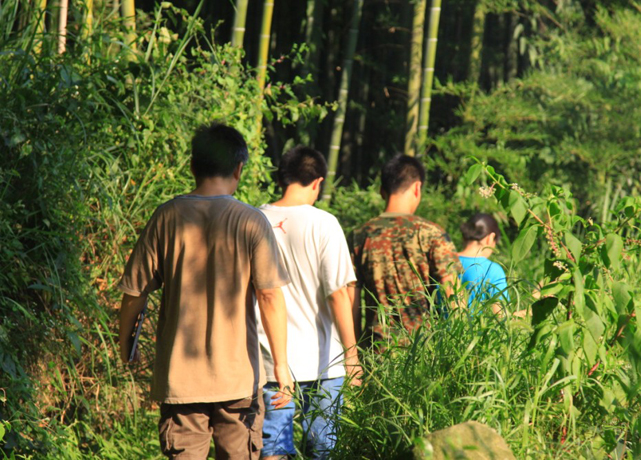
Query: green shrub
[(92, 141)]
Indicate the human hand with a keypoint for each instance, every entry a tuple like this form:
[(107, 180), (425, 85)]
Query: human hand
[(354, 371), (285, 388)]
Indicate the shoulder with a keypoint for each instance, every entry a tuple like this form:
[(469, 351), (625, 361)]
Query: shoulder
[(495, 269)]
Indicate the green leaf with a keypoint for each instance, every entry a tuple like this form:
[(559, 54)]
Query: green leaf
[(542, 308), (518, 207), (579, 292), (622, 297), (574, 245), (473, 173), (613, 249), (566, 336), (590, 348), (523, 243)]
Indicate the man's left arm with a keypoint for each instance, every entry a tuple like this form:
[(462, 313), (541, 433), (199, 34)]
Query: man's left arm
[(340, 302)]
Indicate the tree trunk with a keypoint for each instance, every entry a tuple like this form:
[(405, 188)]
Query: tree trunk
[(476, 46), (238, 32), (339, 120), (428, 72), (414, 81), (128, 11), (63, 14)]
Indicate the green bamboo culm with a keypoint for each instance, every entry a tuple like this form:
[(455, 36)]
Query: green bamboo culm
[(263, 48), (238, 32), (476, 45), (428, 72), (128, 12), (41, 6), (62, 26), (88, 23), (414, 80), (339, 120), (263, 51)]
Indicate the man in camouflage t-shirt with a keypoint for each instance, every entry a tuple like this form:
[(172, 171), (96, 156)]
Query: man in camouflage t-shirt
[(400, 258)]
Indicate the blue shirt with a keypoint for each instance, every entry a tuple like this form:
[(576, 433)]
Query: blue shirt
[(483, 279)]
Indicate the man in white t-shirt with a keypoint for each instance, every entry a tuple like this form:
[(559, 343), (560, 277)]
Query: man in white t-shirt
[(321, 341)]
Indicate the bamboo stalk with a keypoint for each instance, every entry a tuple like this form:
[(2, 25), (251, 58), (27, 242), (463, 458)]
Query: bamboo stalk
[(414, 80), (263, 48), (476, 46), (88, 25), (238, 32), (41, 6), (428, 71), (62, 26), (339, 120), (128, 11), (263, 53)]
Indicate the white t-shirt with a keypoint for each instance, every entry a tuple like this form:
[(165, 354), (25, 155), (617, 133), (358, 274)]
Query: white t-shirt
[(313, 246)]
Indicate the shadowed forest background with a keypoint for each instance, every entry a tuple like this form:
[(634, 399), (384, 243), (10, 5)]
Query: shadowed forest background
[(533, 102)]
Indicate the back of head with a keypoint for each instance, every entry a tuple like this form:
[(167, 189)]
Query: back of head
[(478, 227), (217, 150), (399, 173), (301, 165)]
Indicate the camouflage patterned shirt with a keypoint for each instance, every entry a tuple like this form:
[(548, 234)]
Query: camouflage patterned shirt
[(399, 259)]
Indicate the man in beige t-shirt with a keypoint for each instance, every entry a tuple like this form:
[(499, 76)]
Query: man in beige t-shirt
[(211, 254)]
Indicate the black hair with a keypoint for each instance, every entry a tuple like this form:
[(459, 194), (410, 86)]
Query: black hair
[(301, 165), (217, 150), (479, 226), (400, 172)]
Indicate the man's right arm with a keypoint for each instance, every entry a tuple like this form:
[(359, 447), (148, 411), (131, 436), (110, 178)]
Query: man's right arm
[(129, 310), (274, 319)]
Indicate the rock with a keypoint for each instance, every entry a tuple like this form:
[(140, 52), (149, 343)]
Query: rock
[(465, 441)]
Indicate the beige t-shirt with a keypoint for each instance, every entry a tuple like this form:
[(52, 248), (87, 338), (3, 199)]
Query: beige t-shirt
[(207, 253)]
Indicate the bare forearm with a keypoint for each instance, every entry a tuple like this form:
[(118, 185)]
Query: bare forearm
[(274, 318), (129, 310), (355, 296), (341, 302)]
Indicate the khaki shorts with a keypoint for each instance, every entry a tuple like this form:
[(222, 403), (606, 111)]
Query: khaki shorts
[(236, 426)]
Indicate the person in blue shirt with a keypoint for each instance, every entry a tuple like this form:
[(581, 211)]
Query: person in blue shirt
[(483, 278)]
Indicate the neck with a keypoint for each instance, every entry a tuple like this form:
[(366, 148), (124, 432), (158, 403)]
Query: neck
[(401, 204), (298, 195), (214, 186), (475, 249)]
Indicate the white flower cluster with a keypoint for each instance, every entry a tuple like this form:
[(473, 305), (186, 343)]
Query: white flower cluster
[(486, 192)]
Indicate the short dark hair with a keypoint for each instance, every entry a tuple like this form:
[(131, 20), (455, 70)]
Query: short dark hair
[(400, 172), (301, 165), (216, 150), (479, 226)]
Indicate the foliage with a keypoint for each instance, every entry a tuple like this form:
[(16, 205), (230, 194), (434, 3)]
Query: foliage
[(572, 120), (561, 385), (90, 148)]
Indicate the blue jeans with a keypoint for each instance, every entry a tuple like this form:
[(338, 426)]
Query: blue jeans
[(319, 402)]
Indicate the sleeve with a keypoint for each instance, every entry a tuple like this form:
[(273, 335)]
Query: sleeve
[(267, 267), (442, 253), (497, 282), (143, 272), (336, 269)]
